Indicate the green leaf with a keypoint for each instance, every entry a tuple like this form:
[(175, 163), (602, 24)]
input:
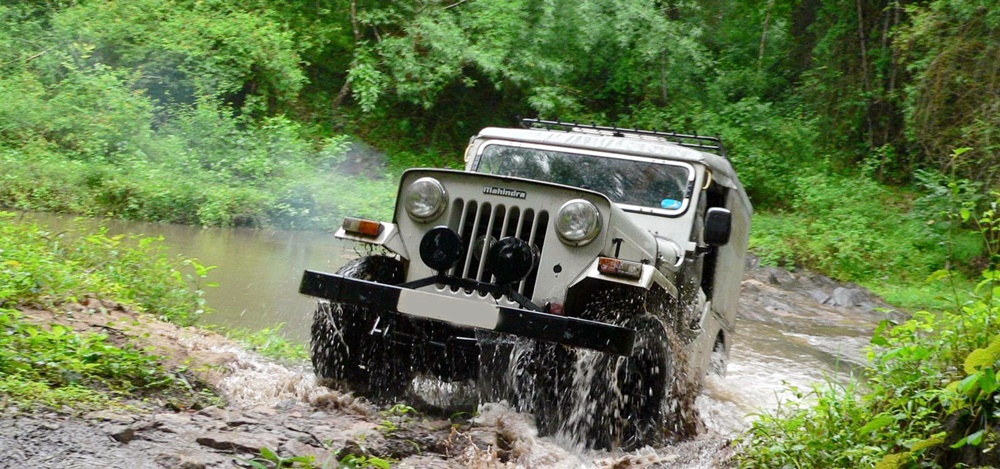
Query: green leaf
[(970, 383), (988, 382), (268, 454), (877, 423), (938, 275)]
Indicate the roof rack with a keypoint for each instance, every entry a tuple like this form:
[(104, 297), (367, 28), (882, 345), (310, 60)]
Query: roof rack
[(700, 142)]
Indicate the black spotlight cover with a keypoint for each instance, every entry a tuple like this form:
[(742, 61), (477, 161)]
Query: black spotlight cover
[(510, 259), (440, 248)]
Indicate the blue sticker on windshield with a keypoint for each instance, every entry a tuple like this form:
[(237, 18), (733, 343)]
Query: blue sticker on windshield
[(670, 204)]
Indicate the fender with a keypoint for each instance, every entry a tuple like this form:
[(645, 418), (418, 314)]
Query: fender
[(650, 276), (389, 238)]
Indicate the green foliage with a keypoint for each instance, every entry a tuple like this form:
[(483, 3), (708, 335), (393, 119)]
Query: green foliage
[(55, 366), (830, 228), (58, 357), (395, 418), (269, 458), (951, 48), (563, 55), (166, 111), (351, 461), (930, 395), (39, 266), (234, 174), (270, 343), (184, 50)]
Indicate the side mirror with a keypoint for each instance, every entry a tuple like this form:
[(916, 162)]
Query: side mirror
[(718, 226)]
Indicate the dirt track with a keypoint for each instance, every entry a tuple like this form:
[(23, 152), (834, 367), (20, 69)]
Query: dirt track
[(279, 407)]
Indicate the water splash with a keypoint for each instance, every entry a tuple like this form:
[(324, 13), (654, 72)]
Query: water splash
[(251, 380), (580, 423)]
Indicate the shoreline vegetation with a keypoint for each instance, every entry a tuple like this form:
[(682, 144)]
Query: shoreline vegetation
[(864, 132), (47, 278), (57, 367)]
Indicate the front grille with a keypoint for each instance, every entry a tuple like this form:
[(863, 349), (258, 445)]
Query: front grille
[(476, 223)]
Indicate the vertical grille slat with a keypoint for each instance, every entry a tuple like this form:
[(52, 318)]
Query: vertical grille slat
[(475, 221), (486, 245), (462, 215), (470, 240)]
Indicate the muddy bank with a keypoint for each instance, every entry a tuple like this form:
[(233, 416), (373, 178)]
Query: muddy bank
[(280, 407)]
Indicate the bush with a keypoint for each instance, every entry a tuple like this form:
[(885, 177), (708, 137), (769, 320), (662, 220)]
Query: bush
[(849, 227), (37, 266), (54, 366), (929, 399)]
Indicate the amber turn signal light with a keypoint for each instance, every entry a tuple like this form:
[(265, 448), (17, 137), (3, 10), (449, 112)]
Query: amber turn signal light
[(609, 266), (362, 227)]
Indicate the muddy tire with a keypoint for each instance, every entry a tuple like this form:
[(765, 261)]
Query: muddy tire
[(625, 400), (524, 373), (344, 349), (335, 351), (613, 402)]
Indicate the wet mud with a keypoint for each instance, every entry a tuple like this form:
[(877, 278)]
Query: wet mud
[(795, 328)]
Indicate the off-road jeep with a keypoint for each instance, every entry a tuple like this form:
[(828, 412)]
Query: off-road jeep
[(587, 274)]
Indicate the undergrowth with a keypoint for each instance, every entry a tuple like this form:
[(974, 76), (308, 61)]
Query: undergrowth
[(268, 342), (54, 366), (204, 167), (853, 228), (930, 396)]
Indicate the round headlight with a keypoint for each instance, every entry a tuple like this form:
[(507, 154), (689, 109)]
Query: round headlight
[(425, 199), (578, 222)]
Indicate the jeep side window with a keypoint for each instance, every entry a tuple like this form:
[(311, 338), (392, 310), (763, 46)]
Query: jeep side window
[(645, 183)]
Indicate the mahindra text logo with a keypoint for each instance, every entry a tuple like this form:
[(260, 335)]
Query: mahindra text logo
[(504, 192)]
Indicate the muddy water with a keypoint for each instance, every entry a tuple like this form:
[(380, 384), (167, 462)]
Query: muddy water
[(258, 271), (786, 335)]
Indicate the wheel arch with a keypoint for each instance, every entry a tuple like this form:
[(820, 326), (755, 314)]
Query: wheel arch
[(649, 278)]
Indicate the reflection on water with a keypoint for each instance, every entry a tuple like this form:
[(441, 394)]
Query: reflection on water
[(258, 271)]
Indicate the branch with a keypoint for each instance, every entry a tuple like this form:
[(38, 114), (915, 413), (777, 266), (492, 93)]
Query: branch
[(453, 5)]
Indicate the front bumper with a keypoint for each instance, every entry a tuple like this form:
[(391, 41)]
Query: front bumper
[(573, 332)]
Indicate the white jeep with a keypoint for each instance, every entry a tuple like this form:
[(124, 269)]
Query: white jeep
[(587, 274)]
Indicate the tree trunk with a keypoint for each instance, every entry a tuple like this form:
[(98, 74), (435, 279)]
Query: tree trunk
[(763, 35), (865, 74), (346, 88)]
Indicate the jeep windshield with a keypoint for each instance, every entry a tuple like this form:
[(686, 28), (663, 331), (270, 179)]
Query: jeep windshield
[(636, 183)]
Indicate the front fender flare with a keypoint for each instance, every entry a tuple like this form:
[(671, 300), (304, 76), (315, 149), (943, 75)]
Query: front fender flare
[(389, 239), (650, 276)]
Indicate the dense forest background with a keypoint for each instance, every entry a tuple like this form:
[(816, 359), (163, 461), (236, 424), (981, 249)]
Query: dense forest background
[(861, 128), (865, 131)]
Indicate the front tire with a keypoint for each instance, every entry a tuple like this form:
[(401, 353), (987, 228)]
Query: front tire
[(350, 345), (613, 402), (625, 398)]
